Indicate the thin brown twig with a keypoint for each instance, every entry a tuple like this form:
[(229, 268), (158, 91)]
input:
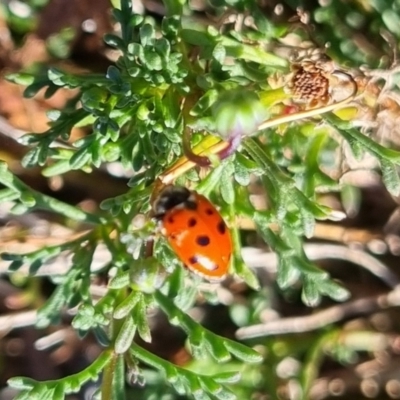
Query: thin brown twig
[(336, 313), (258, 259), (322, 318), (17, 320)]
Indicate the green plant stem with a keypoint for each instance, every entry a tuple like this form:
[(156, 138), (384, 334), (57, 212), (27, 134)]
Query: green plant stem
[(59, 207), (252, 53), (239, 266), (274, 173), (42, 201), (65, 123), (108, 378), (271, 383), (353, 135), (69, 384), (146, 357), (313, 360)]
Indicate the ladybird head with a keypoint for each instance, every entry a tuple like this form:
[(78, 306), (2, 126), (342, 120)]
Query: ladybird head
[(173, 197)]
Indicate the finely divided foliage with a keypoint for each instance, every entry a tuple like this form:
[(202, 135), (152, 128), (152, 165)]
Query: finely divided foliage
[(168, 76)]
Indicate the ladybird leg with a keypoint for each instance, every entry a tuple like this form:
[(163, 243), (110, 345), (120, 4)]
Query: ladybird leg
[(149, 247)]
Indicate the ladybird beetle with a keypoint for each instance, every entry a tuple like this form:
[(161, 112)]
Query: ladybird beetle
[(195, 230)]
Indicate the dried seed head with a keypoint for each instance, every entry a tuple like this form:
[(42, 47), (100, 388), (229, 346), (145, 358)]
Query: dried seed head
[(309, 84)]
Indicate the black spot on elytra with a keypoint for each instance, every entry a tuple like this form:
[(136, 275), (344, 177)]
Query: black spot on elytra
[(203, 240), (173, 237), (221, 228), (209, 211), (193, 260), (171, 220), (192, 222)]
